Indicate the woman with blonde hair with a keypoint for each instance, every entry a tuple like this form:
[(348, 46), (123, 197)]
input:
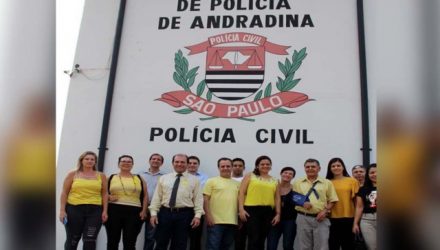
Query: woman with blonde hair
[(83, 203)]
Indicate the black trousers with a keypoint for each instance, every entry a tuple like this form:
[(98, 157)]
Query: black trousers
[(240, 238), (173, 226), (341, 235), (125, 219), (258, 225), (82, 221), (30, 226), (195, 236)]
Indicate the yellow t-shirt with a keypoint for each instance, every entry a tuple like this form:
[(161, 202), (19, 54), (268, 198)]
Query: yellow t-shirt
[(85, 191), (260, 192), (223, 202), (127, 190), (346, 189)]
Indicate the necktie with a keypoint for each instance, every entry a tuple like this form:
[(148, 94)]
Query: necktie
[(174, 191)]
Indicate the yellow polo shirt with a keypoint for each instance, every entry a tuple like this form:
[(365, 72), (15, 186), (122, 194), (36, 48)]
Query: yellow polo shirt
[(324, 188)]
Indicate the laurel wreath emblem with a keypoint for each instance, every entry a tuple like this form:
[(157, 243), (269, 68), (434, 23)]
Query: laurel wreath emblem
[(185, 78)]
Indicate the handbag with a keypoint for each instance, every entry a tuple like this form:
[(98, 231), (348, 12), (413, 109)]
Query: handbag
[(300, 199), (359, 242)]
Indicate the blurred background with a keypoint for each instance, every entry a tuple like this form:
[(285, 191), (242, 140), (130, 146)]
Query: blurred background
[(402, 38), (27, 129), (405, 66)]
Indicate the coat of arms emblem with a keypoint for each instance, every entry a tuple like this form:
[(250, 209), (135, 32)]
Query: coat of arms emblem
[(235, 70), (234, 73)]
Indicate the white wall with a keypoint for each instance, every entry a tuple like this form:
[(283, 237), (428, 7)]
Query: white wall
[(85, 103)]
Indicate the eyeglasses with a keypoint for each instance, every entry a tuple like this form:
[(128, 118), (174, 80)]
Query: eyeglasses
[(126, 161)]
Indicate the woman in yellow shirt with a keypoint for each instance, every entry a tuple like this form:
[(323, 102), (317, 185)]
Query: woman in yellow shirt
[(259, 203), (342, 214), (84, 203), (127, 209)]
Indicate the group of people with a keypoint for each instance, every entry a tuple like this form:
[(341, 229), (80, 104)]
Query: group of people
[(238, 209)]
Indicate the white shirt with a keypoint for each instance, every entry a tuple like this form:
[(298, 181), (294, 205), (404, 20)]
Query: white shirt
[(189, 193)]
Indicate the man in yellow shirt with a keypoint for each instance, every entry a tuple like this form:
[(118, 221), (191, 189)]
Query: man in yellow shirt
[(313, 226), (221, 208)]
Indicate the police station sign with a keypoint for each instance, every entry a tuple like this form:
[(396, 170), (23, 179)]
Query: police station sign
[(217, 78), (245, 20), (238, 78)]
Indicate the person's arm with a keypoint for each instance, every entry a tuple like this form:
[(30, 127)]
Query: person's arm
[(198, 205), (143, 213), (111, 197), (358, 214), (198, 200), (326, 211), (67, 184), (354, 191), (332, 198), (241, 196), (156, 203), (277, 216), (208, 216), (104, 194)]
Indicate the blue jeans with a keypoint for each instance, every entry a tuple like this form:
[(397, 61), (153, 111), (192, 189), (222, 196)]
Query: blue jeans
[(287, 228), (220, 236), (173, 226), (83, 221)]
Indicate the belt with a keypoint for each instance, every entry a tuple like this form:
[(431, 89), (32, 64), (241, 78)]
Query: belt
[(306, 214), (177, 209)]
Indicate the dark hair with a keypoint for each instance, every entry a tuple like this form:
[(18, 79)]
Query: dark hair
[(357, 166), (239, 159), (223, 159), (311, 160), (288, 169), (80, 166), (257, 162), (125, 156), (151, 156), (368, 182), (330, 174), (184, 155), (193, 157)]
